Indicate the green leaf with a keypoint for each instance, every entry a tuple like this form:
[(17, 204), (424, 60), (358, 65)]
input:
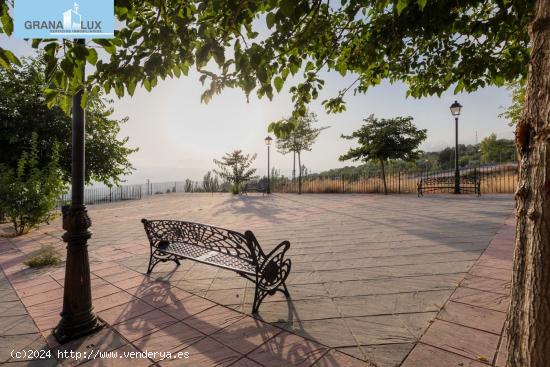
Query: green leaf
[(147, 85), (7, 58), (131, 86), (270, 20), (278, 82), (92, 56), (176, 70), (401, 4), (7, 23), (84, 100), (459, 87), (119, 90), (65, 102), (106, 44), (421, 4), (68, 67)]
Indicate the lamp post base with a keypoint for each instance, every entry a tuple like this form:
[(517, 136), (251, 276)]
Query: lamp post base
[(77, 326), (77, 317)]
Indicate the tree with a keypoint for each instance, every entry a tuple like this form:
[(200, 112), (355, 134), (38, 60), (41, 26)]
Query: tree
[(494, 150), (29, 192), (235, 168), (430, 45), (210, 182), (24, 111), (300, 138), (513, 112), (384, 139)]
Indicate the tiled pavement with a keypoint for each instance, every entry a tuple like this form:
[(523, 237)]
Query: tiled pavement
[(370, 274)]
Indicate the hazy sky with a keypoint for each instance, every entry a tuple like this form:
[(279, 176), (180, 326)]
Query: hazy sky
[(178, 136)]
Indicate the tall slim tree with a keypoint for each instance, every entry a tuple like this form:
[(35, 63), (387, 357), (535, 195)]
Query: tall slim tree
[(430, 45), (235, 168), (384, 139), (300, 138)]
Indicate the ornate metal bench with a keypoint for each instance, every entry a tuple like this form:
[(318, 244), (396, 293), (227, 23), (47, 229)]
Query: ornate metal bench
[(254, 187), (470, 183), (176, 240)]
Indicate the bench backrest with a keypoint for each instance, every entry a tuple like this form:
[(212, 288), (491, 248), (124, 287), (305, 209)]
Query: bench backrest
[(210, 237), (449, 180)]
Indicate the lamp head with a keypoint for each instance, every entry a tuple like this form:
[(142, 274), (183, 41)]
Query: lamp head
[(455, 109), (268, 140)]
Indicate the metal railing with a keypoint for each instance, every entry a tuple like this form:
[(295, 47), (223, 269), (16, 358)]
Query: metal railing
[(494, 179)]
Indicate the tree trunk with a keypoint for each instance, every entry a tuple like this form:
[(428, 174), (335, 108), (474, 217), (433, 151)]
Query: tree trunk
[(384, 177), (293, 166), (529, 316), (299, 174)]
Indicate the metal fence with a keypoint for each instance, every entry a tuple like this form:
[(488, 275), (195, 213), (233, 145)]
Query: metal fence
[(494, 179), (99, 195)]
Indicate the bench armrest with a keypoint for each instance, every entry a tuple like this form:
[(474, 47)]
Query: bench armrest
[(274, 268)]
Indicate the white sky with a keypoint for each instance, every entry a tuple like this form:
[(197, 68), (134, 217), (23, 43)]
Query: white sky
[(178, 136)]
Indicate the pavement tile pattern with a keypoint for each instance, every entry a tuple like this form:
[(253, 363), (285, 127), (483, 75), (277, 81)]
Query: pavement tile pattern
[(374, 278)]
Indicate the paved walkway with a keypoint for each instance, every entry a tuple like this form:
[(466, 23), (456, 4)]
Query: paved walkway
[(370, 274)]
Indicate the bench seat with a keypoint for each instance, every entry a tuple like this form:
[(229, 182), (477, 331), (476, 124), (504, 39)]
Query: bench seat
[(206, 256)]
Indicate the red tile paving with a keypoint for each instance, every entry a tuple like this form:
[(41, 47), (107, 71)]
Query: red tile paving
[(469, 329)]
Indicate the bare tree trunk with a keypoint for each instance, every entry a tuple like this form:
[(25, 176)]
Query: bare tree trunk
[(384, 177), (529, 315), (299, 174), (293, 166)]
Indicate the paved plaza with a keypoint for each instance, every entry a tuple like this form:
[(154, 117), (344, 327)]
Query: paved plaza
[(375, 280)]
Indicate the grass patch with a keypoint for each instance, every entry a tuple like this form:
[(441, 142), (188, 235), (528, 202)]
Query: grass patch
[(46, 256)]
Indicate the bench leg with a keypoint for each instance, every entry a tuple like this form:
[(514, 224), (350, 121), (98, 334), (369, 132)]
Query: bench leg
[(157, 257), (271, 281), (260, 294)]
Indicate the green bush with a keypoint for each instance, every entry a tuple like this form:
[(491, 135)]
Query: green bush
[(235, 189), (29, 194), (46, 256)]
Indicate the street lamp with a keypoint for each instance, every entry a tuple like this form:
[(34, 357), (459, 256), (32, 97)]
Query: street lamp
[(77, 317), (455, 111), (268, 143)]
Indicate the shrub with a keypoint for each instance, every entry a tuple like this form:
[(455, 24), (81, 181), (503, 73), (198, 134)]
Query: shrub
[(29, 194), (46, 256), (235, 189)]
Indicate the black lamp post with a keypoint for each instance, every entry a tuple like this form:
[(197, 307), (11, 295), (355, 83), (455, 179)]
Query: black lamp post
[(77, 318), (268, 143), (455, 111)]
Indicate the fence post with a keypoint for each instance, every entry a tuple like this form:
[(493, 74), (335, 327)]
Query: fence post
[(399, 182)]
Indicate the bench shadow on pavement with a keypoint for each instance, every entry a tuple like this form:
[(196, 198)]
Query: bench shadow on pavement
[(214, 335)]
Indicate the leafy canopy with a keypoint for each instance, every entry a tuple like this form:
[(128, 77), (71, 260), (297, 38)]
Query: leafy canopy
[(23, 111), (258, 45), (235, 167), (513, 112), (301, 137), (496, 150), (383, 139)]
